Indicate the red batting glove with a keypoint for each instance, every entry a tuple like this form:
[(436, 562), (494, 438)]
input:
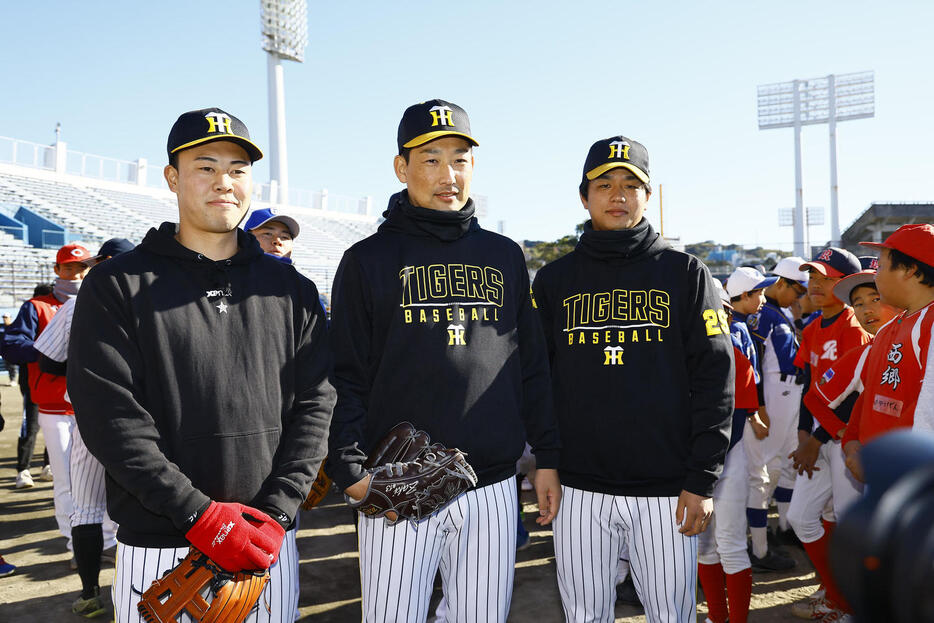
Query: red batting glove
[(237, 537)]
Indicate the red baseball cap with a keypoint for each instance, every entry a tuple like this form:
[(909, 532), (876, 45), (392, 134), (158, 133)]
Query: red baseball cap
[(72, 253), (915, 241)]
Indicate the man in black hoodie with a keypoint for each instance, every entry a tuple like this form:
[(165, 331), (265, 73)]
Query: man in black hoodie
[(642, 371), (433, 322), (199, 376)]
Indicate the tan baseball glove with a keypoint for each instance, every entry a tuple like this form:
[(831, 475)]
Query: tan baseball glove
[(204, 591)]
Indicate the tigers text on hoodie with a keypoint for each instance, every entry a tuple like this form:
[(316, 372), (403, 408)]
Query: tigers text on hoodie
[(432, 322), (641, 365), (197, 380)]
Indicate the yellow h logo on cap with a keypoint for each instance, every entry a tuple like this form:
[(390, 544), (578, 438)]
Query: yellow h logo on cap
[(619, 149), (219, 122), (441, 115)]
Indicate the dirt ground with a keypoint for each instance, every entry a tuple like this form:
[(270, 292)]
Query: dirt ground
[(43, 586)]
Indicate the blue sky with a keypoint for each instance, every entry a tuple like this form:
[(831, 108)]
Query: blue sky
[(541, 82)]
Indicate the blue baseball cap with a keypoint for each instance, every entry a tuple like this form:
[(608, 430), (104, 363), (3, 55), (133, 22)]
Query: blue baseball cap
[(258, 218), (833, 262)]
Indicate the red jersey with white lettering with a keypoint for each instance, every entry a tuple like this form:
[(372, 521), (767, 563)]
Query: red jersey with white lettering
[(822, 346), (893, 373), (834, 386)]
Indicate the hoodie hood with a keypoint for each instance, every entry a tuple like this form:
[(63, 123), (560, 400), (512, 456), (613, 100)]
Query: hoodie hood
[(623, 245), (162, 241), (403, 217), (212, 274)]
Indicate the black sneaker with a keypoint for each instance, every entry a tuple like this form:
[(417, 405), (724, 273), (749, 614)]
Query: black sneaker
[(626, 593), (775, 542), (788, 537), (772, 561)]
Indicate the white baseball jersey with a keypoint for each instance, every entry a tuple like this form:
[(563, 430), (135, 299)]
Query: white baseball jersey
[(53, 341)]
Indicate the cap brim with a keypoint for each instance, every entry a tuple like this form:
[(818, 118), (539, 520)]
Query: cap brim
[(844, 288), (874, 245), (801, 282), (421, 139), (288, 221), (603, 168), (254, 152), (765, 283), (824, 269)]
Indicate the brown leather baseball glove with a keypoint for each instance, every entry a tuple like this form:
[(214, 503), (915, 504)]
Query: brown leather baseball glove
[(203, 590), (412, 477), (319, 489)]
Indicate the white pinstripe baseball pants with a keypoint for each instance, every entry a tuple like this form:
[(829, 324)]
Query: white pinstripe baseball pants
[(137, 567), (88, 493), (472, 540), (590, 532)]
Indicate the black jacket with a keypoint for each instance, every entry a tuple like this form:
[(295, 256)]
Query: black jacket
[(432, 322), (195, 380), (641, 364)]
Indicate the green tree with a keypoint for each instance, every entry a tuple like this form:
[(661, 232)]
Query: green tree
[(541, 253)]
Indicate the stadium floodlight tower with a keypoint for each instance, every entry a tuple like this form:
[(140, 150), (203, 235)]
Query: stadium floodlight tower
[(827, 100), (285, 35)]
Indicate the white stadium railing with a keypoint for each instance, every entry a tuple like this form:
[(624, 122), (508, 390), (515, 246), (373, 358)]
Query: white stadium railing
[(27, 154)]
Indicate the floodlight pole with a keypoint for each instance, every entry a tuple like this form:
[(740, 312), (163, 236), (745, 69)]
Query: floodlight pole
[(278, 159), (285, 35), (799, 221), (808, 102), (832, 124)]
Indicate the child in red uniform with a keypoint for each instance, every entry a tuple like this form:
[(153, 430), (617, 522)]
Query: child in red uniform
[(723, 565), (824, 341), (896, 367), (837, 389)]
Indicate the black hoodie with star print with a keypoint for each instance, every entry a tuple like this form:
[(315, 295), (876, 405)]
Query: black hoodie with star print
[(197, 380)]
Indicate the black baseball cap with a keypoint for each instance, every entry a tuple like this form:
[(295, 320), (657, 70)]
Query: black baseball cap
[(433, 119), (196, 127), (615, 152), (834, 262)]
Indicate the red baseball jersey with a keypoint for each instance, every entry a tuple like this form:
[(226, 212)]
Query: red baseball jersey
[(834, 386), (893, 373), (746, 395), (822, 346)]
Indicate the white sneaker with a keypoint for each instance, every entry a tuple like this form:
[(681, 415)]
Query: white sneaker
[(46, 474), (814, 610), (24, 480), (818, 595)]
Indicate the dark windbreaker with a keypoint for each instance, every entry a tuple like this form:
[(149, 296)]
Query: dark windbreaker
[(432, 322), (641, 363), (195, 380)]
